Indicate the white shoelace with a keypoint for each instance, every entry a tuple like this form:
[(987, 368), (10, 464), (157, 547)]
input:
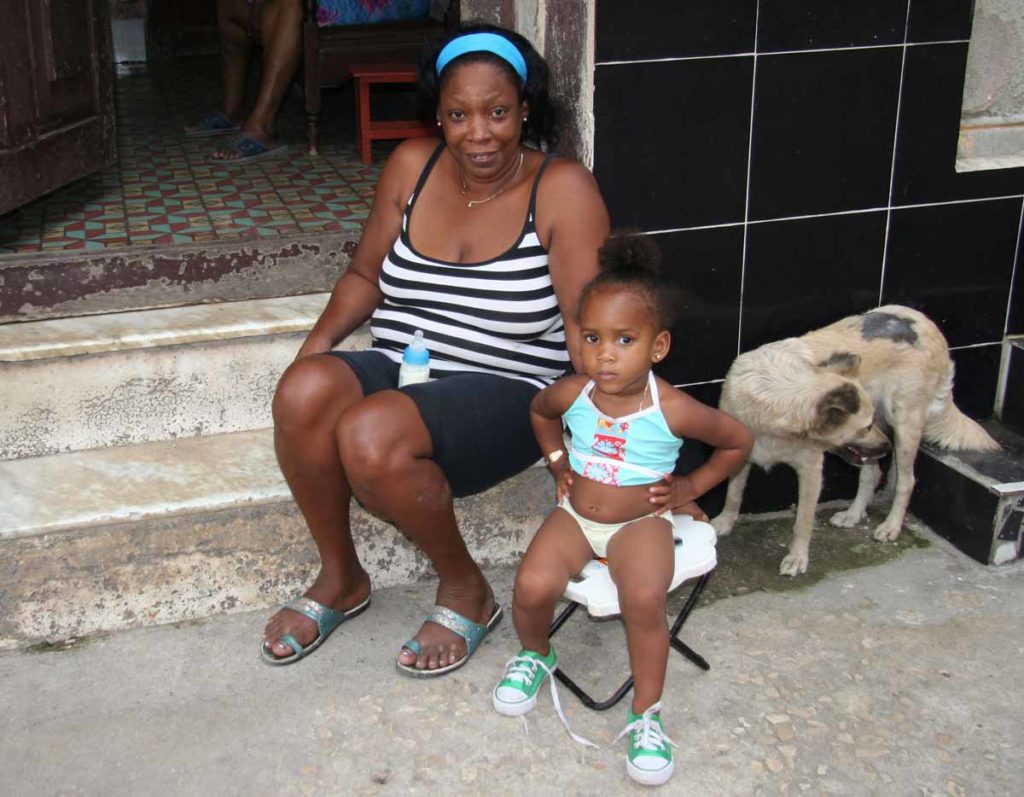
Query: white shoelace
[(524, 668), (651, 736)]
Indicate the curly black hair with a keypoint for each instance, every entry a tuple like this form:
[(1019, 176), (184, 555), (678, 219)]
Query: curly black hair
[(631, 261), (542, 125)]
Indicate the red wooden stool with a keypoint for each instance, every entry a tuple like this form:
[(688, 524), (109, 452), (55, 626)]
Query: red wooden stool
[(369, 130)]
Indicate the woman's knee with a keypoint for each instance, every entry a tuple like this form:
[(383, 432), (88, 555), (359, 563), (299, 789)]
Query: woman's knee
[(377, 439), (306, 394)]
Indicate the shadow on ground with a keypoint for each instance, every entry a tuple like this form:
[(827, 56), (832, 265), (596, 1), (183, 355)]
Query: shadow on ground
[(748, 558)]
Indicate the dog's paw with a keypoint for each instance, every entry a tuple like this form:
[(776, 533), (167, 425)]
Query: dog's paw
[(887, 532), (846, 519), (723, 524), (794, 564)]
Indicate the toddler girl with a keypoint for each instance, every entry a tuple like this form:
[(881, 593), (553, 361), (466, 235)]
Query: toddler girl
[(615, 489)]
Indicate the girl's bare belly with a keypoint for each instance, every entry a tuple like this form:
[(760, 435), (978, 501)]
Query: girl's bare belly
[(604, 503)]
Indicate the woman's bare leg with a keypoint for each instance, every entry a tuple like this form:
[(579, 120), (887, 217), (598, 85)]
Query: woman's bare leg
[(557, 553), (641, 560), (236, 49), (386, 452), (281, 35), (310, 401)]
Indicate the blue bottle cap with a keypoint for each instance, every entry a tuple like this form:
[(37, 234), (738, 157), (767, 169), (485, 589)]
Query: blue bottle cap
[(416, 352)]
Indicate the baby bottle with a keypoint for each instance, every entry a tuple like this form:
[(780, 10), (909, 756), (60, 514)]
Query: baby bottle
[(415, 362)]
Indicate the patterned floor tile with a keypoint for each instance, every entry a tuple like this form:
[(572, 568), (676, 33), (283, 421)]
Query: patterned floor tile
[(165, 189)]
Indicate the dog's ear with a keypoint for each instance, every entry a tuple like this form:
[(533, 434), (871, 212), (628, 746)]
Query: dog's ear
[(843, 363), (835, 407)]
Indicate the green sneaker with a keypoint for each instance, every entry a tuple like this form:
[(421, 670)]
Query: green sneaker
[(516, 693), (649, 759)]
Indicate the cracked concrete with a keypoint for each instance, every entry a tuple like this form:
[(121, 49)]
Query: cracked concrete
[(893, 678)]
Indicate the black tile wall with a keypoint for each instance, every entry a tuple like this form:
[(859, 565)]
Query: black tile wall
[(830, 213), (1013, 399), (673, 157), (669, 28), (813, 24), (939, 20), (823, 131), (704, 266), (1015, 316), (954, 263), (975, 379), (933, 81), (806, 273)]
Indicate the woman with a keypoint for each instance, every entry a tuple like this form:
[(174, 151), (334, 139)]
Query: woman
[(484, 244)]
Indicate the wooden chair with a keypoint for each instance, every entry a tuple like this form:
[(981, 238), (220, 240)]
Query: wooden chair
[(695, 557), (329, 53)]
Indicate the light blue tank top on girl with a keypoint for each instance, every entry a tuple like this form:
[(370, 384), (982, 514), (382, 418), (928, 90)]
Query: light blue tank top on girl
[(623, 452)]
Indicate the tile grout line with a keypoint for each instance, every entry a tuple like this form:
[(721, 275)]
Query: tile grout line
[(976, 345), (755, 53), (832, 214), (746, 198), (1013, 272), (892, 162)]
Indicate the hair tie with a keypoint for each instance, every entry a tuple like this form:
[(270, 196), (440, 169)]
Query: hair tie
[(483, 43)]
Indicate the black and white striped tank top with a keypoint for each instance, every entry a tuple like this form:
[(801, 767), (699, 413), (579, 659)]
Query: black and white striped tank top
[(499, 316)]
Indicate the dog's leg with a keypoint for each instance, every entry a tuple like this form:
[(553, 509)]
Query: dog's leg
[(908, 439), (808, 474), (870, 474), (724, 521)]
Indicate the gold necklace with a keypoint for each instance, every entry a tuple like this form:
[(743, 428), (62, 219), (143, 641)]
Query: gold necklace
[(644, 396), (465, 188)]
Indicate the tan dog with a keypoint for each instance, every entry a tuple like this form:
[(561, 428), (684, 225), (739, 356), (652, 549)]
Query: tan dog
[(833, 389)]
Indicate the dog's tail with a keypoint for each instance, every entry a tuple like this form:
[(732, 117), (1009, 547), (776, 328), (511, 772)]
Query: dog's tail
[(949, 428)]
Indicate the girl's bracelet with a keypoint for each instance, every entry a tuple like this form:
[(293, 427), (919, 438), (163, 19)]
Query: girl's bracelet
[(554, 456)]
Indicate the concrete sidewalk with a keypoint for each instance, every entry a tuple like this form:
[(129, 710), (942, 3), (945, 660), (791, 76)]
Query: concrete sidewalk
[(897, 679)]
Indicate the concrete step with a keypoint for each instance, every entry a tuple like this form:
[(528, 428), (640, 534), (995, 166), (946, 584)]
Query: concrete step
[(975, 499), (160, 532), (128, 378), (63, 284)]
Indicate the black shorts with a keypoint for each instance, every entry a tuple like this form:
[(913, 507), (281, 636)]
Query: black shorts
[(479, 424)]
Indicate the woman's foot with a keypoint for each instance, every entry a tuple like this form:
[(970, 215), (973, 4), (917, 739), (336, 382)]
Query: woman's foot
[(249, 144), (439, 646), (355, 591)]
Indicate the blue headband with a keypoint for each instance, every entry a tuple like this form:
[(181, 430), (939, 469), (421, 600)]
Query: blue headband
[(483, 43)]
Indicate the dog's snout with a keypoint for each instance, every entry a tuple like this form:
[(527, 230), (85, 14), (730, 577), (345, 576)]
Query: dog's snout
[(877, 440)]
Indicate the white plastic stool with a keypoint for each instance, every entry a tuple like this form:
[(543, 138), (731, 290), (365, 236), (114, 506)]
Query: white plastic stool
[(695, 558)]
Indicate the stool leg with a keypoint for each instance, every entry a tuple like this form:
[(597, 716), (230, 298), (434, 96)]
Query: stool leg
[(673, 637), (363, 120), (313, 131), (567, 612)]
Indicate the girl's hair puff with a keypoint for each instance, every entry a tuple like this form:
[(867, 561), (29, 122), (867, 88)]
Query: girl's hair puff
[(542, 124), (631, 261)]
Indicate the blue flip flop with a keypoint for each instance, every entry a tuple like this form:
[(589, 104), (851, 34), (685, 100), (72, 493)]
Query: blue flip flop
[(213, 124), (326, 620), (473, 633), (249, 150)]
